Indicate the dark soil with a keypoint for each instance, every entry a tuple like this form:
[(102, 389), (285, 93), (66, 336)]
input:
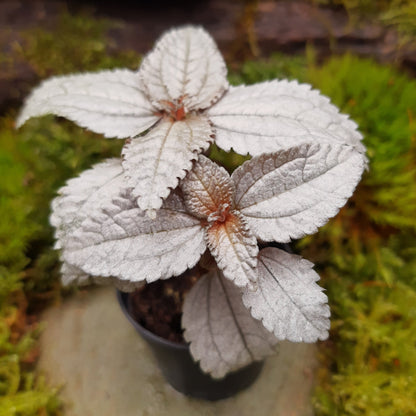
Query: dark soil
[(158, 306)]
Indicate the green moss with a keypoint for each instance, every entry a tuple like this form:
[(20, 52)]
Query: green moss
[(278, 65), (367, 252), (30, 402), (230, 160), (374, 334), (76, 43), (382, 102), (402, 15)]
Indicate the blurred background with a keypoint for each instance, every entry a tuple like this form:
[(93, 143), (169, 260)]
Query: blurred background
[(361, 53)]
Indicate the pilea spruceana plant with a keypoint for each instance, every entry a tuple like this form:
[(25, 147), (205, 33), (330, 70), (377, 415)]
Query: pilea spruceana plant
[(154, 212)]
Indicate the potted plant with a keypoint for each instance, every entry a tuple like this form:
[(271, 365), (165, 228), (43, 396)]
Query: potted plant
[(164, 207)]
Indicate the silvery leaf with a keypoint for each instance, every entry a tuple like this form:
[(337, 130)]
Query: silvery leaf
[(207, 189), (154, 163), (185, 66), (76, 201), (275, 115), (84, 194), (288, 301), (72, 274), (235, 249), (289, 194), (107, 102), (122, 241), (223, 335)]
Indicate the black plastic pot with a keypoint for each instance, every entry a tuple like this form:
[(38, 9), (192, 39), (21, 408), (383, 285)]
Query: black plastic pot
[(183, 373)]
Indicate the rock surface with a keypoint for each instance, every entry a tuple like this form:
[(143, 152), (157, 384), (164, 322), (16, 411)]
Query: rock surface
[(90, 349), (242, 30)]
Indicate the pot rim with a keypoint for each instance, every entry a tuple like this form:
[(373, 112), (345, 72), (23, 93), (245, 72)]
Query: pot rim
[(122, 300)]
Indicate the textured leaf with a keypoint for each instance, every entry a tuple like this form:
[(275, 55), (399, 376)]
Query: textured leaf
[(77, 200), (122, 241), (223, 335), (84, 194), (185, 66), (107, 102), (72, 274), (154, 163), (288, 300), (275, 115), (289, 194), (235, 249), (207, 189)]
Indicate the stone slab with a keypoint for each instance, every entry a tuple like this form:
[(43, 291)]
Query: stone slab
[(91, 350)]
